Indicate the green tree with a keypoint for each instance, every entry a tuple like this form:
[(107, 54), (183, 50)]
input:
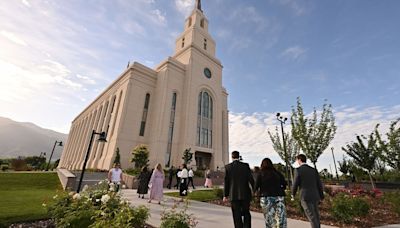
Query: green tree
[(292, 148), (344, 166), (36, 162), (187, 156), (313, 136), (364, 155), (117, 158), (391, 147), (140, 156)]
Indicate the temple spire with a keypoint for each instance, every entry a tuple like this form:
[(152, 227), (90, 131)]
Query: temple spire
[(198, 5)]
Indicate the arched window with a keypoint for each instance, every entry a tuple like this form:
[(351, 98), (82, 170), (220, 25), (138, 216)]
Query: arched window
[(202, 23), (204, 120), (144, 116)]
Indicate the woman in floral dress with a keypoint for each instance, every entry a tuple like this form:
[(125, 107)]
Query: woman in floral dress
[(271, 185)]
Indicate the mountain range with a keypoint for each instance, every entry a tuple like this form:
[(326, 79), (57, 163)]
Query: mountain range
[(28, 139)]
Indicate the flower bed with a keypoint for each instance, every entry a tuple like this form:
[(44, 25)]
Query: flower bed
[(96, 206), (368, 208)]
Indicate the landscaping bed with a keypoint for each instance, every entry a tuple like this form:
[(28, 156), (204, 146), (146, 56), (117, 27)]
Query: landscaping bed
[(381, 207)]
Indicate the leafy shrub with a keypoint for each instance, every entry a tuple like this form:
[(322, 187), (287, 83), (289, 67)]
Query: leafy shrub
[(177, 219), (4, 168), (132, 172), (295, 203), (96, 206), (393, 198), (219, 192), (345, 208), (328, 190)]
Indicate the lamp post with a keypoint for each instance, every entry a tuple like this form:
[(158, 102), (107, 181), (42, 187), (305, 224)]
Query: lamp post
[(334, 162), (283, 120), (52, 151), (102, 138)]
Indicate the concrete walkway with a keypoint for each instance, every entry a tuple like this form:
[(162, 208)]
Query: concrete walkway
[(207, 215)]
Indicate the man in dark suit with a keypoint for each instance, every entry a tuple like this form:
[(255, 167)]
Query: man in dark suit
[(311, 190), (238, 187)]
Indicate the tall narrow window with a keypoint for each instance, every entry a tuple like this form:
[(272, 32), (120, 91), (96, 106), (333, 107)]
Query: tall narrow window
[(144, 116), (202, 23), (205, 44), (171, 130), (183, 42), (190, 22), (204, 120)]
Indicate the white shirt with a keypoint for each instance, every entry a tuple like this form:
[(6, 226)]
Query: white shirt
[(191, 174), (115, 174), (184, 173)]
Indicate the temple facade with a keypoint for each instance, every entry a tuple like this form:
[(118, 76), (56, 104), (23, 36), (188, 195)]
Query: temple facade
[(179, 104)]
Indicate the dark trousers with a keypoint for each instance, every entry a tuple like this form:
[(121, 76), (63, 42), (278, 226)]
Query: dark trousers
[(169, 182), (178, 182), (312, 212), (241, 213), (190, 181)]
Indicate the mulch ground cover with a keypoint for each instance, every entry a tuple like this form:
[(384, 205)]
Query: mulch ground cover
[(380, 214)]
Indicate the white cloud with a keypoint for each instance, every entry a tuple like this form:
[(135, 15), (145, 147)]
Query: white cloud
[(26, 3), (298, 7), (13, 38), (184, 6), (248, 132), (160, 17), (251, 16), (294, 53), (86, 79)]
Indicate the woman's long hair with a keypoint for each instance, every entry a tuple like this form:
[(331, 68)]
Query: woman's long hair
[(159, 168), (268, 168)]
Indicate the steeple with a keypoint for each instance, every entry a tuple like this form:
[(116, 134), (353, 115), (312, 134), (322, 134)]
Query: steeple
[(195, 34), (198, 5)]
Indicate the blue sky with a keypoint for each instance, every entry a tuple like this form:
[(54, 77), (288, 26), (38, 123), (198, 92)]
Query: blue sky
[(57, 56)]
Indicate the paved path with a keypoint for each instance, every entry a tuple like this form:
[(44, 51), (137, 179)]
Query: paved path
[(207, 215)]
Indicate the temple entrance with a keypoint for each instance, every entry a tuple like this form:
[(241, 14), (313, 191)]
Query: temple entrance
[(203, 160)]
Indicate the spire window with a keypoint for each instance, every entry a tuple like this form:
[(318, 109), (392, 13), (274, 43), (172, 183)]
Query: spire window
[(183, 42), (205, 44), (202, 23)]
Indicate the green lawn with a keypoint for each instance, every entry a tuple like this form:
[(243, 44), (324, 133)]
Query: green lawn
[(199, 195), (22, 195)]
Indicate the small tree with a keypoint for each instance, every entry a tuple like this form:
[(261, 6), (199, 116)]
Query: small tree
[(140, 156), (292, 148), (312, 136), (344, 166), (187, 156), (117, 158), (364, 156), (391, 147)]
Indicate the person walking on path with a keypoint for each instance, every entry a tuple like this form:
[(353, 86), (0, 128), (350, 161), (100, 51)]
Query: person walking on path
[(183, 186), (271, 185), (144, 178), (238, 185), (170, 176), (115, 177), (208, 183), (156, 184), (311, 191), (190, 180), (177, 177)]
